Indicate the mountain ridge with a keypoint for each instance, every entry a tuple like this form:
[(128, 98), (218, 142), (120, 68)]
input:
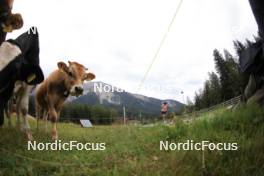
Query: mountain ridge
[(117, 98)]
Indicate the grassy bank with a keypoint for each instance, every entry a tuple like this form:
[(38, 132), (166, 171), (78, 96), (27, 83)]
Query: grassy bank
[(134, 150)]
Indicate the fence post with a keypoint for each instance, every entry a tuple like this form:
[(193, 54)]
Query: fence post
[(124, 114)]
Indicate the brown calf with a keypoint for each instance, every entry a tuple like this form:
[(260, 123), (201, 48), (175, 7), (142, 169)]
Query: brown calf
[(52, 93)]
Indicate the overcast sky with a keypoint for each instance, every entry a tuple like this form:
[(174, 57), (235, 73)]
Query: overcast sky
[(117, 39)]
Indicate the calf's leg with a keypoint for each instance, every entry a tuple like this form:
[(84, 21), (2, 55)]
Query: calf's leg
[(46, 115), (24, 110), (53, 117), (18, 112), (38, 114)]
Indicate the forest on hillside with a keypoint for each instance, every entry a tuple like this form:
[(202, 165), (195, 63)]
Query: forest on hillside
[(227, 82)]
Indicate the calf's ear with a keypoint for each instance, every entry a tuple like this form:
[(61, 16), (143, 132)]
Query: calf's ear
[(90, 76), (63, 67), (10, 3)]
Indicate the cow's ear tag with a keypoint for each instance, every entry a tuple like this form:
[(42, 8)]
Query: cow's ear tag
[(31, 77), (7, 28), (61, 70)]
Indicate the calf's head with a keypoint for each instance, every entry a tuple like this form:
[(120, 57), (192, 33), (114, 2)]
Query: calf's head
[(76, 74)]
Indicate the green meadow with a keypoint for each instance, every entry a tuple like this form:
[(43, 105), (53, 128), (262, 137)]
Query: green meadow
[(135, 149)]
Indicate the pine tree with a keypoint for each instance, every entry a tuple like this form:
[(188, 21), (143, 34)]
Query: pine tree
[(221, 69), (215, 88), (206, 99)]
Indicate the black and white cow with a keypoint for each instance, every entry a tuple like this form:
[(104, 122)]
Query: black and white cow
[(20, 99), (19, 61)]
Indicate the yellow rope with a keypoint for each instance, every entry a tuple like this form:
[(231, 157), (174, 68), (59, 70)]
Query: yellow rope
[(160, 45)]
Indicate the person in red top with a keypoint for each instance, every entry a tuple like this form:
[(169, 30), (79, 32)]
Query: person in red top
[(164, 110)]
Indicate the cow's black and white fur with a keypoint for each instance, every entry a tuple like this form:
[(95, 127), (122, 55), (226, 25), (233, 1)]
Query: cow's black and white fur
[(19, 61)]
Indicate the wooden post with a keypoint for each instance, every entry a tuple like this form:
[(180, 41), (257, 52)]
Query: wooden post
[(124, 114)]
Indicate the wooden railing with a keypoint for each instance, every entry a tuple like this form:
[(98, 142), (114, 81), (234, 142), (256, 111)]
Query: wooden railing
[(227, 103)]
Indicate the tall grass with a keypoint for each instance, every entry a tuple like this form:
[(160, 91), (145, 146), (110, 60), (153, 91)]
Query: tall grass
[(244, 126), (134, 150)]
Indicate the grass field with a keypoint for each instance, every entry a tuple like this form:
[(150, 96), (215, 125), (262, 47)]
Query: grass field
[(134, 150)]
